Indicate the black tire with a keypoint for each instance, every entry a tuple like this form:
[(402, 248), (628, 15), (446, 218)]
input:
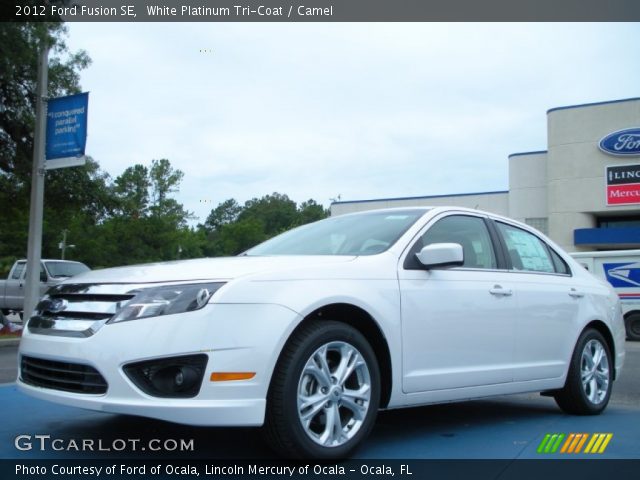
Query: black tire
[(583, 399), (632, 326), (284, 429)]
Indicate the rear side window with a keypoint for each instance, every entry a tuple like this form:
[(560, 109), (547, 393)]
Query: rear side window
[(17, 271), (470, 232), (560, 265), (527, 252)]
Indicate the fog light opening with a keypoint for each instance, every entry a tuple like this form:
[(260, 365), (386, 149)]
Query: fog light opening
[(177, 377)]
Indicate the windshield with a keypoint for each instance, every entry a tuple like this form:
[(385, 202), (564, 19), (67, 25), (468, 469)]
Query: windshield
[(365, 233), (65, 269)]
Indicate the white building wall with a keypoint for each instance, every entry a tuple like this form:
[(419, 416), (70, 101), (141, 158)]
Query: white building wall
[(528, 186), (576, 192)]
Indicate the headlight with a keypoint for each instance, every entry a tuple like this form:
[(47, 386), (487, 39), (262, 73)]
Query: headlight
[(166, 300)]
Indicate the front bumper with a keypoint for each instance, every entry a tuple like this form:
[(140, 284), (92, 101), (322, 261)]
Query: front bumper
[(235, 337)]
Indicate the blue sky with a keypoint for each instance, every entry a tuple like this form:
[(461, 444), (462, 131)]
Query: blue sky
[(326, 109)]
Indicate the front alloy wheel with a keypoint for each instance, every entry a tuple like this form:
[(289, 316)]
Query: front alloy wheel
[(334, 394), (324, 394), (588, 386)]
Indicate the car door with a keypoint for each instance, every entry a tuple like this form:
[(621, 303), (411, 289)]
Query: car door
[(548, 304), (458, 324), (45, 279), (14, 291)]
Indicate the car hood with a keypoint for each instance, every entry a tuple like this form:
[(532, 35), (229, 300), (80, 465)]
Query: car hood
[(222, 268)]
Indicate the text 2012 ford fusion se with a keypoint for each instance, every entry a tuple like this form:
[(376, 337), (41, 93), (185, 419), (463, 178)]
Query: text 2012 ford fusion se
[(313, 331)]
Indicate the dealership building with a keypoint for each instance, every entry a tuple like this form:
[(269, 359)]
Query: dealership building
[(583, 191)]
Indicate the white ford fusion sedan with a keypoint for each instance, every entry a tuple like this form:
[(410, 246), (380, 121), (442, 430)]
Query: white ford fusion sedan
[(313, 331)]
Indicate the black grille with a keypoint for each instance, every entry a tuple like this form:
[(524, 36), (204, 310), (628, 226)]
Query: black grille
[(69, 377)]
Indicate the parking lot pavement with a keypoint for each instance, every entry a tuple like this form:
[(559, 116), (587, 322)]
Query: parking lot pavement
[(509, 427), (8, 361), (503, 428)]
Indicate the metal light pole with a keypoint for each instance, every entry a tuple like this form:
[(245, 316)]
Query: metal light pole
[(34, 249), (63, 245)]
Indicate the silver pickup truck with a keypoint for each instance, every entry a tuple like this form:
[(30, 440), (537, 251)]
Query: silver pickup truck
[(52, 272)]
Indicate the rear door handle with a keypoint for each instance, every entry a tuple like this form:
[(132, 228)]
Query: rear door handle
[(575, 293), (499, 291)]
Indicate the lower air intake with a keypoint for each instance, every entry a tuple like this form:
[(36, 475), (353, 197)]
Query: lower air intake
[(65, 376)]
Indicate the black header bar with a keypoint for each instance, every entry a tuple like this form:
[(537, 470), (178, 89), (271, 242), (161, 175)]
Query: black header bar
[(117, 469), (321, 10)]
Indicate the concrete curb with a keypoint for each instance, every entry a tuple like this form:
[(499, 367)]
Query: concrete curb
[(9, 342)]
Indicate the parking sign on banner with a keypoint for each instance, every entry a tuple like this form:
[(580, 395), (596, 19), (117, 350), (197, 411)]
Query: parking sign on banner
[(66, 131)]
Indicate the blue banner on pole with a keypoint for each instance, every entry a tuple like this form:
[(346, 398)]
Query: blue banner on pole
[(66, 130)]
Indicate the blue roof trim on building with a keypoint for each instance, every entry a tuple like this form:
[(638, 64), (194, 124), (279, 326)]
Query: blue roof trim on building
[(420, 198), (593, 104), (606, 236), (521, 154)]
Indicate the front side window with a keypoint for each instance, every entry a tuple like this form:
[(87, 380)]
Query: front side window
[(17, 271), (526, 251), (470, 232)]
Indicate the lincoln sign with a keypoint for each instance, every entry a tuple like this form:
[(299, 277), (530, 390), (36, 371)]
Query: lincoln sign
[(622, 143), (623, 185)]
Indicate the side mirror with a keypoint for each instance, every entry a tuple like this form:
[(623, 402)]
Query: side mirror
[(441, 255), (43, 277)]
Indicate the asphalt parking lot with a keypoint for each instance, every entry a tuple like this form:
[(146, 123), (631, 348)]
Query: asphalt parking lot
[(509, 427)]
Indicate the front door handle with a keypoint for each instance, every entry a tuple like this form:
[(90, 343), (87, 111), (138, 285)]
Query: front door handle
[(499, 291), (575, 293)]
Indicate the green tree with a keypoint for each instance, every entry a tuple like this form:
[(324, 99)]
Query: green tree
[(226, 212), (132, 191), (164, 180), (311, 211), (74, 197), (235, 238), (277, 212), (231, 229), (148, 224)]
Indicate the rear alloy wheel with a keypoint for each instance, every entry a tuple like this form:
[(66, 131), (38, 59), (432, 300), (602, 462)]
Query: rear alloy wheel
[(632, 326), (589, 381), (325, 393)]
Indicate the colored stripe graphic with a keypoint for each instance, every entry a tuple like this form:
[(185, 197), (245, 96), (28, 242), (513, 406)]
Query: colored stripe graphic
[(582, 440), (550, 442), (543, 443), (565, 447), (597, 443), (574, 443)]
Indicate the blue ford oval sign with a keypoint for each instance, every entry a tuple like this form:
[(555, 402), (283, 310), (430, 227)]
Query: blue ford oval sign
[(622, 142)]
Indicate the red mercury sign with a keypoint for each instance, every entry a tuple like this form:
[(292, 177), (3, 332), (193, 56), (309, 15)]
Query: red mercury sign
[(623, 194)]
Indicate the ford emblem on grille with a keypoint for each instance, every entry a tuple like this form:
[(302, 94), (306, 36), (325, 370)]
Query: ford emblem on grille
[(53, 305)]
